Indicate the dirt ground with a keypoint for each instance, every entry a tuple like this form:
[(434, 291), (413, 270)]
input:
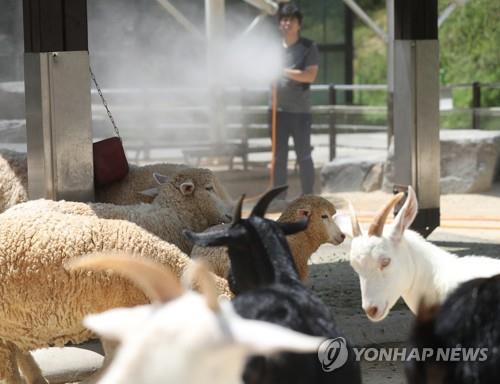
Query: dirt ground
[(470, 224)]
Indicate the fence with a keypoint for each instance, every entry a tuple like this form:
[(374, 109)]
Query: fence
[(246, 119)]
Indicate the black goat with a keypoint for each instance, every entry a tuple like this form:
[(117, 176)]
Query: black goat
[(468, 320), (267, 287)]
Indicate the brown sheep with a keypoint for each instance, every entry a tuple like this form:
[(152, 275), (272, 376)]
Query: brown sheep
[(321, 230)]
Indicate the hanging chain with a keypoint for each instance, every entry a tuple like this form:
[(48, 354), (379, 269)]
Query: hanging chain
[(104, 102)]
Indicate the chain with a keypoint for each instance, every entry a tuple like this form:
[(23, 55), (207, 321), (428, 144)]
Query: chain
[(104, 102)]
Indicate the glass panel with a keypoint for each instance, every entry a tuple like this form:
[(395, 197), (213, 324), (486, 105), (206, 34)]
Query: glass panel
[(334, 22)]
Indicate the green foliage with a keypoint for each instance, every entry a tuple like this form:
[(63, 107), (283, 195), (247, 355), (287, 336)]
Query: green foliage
[(370, 59), (470, 51)]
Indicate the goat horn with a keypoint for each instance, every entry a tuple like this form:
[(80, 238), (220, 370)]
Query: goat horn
[(158, 283), (200, 275), (237, 210), (377, 225), (356, 230), (261, 206)]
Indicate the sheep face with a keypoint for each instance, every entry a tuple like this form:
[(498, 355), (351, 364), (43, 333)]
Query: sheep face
[(321, 214), (381, 257), (197, 193), (328, 228), (184, 341)]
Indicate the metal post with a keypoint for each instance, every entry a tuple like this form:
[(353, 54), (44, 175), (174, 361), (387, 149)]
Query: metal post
[(390, 70), (349, 54), (215, 26), (476, 104), (332, 95), (416, 107), (57, 90)]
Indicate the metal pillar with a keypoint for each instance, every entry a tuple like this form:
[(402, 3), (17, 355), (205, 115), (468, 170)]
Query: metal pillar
[(215, 26), (390, 70), (57, 91), (416, 106)]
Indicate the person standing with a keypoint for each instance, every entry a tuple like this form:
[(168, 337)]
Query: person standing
[(293, 112)]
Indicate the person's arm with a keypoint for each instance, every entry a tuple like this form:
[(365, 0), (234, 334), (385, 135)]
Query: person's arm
[(308, 75)]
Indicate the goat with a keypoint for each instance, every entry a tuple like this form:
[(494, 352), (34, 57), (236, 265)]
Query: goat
[(267, 286), (461, 337), (183, 337), (396, 262)]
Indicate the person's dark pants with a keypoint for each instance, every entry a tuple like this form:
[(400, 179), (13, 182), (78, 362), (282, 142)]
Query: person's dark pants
[(297, 125)]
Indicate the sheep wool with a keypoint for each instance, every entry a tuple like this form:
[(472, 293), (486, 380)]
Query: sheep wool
[(185, 200), (43, 304), (14, 178), (14, 182)]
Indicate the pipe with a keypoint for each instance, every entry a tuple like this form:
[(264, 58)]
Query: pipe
[(274, 126), (267, 6), (181, 19), (366, 19), (254, 23)]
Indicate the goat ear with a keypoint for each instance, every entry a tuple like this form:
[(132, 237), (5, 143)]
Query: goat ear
[(187, 188), (160, 179), (292, 228), (343, 221), (405, 216), (263, 337), (151, 192), (211, 238), (116, 323)]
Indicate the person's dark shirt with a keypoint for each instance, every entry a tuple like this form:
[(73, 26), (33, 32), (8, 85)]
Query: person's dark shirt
[(294, 96)]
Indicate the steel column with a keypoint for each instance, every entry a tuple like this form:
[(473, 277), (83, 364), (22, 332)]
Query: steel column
[(416, 107), (57, 91)]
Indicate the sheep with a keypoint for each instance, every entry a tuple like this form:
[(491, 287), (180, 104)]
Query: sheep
[(14, 176), (185, 199), (464, 329), (397, 262), (41, 303), (321, 230), (267, 287), (14, 182), (183, 337)]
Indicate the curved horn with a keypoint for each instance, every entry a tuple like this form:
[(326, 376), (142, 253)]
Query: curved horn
[(157, 282), (237, 210), (261, 206), (356, 230), (200, 276), (377, 225)]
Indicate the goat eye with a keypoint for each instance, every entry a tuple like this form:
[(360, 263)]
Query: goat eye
[(209, 188), (325, 216), (385, 262)]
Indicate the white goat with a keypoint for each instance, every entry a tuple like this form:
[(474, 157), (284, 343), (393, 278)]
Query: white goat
[(397, 262), (191, 339)]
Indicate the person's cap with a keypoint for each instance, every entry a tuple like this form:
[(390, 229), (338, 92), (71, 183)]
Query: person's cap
[(290, 10)]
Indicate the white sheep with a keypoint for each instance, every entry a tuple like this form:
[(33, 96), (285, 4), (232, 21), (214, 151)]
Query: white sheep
[(394, 262), (14, 178), (184, 200), (14, 182), (185, 337), (42, 304), (321, 230)]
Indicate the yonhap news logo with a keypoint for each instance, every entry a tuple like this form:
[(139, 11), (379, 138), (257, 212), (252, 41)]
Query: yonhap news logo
[(333, 354)]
